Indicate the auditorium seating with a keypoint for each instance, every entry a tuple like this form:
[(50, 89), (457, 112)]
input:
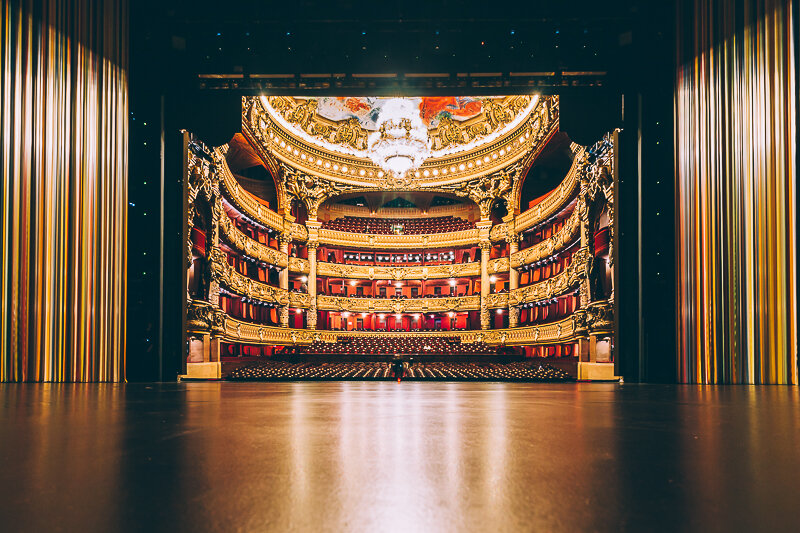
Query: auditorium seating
[(444, 371), (411, 345), (405, 226)]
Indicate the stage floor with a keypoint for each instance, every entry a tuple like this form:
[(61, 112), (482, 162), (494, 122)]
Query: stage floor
[(411, 457)]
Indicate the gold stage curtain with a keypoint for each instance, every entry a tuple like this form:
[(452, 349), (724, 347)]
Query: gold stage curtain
[(735, 116), (63, 197)]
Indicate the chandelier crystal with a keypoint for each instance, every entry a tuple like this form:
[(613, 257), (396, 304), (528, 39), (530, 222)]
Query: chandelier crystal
[(401, 143)]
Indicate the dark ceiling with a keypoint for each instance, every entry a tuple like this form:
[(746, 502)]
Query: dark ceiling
[(380, 47)]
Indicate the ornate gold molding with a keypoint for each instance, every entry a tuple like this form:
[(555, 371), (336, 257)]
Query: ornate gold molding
[(404, 242), (557, 199), (496, 266), (562, 331), (240, 198), (309, 157), (391, 305), (335, 270), (557, 285), (297, 264), (249, 246), (225, 274), (600, 317), (239, 331), (300, 299), (564, 237), (497, 300)]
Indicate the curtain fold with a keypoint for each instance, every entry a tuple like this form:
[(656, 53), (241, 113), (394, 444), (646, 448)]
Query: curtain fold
[(63, 196), (735, 140)]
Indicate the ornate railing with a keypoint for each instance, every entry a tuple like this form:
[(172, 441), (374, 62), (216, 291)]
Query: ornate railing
[(556, 200), (407, 242), (495, 266), (563, 238), (565, 330), (249, 246), (497, 300), (336, 270), (557, 285), (239, 331), (462, 211), (242, 199), (226, 275), (398, 305)]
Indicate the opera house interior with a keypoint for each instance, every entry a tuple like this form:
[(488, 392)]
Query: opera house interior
[(407, 267)]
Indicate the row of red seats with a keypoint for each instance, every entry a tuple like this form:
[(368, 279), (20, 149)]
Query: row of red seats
[(408, 226), (379, 345), (282, 370)]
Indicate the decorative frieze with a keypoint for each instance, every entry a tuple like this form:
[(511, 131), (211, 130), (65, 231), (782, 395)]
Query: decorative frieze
[(398, 305)]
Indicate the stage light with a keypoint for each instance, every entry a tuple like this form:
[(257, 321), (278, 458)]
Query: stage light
[(452, 283), (352, 283), (492, 279), (304, 279), (298, 311), (451, 314)]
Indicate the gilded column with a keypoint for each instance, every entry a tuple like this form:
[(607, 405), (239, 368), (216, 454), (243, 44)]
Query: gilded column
[(283, 278), (513, 279), (583, 212), (311, 314), (486, 247)]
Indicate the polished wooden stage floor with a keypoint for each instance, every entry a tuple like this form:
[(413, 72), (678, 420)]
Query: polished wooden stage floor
[(383, 456)]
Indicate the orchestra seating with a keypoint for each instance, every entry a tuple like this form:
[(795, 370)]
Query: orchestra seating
[(411, 345), (410, 226), (442, 371)]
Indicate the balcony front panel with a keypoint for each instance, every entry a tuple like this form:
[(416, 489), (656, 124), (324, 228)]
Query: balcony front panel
[(558, 284), (399, 305), (249, 246), (241, 285), (556, 200), (566, 236), (398, 242)]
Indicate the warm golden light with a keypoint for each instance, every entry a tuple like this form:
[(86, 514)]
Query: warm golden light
[(735, 109), (64, 191)]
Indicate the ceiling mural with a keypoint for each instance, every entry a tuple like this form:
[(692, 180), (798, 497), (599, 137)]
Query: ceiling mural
[(367, 110), (474, 147)]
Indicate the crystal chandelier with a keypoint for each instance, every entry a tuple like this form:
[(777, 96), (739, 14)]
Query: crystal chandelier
[(401, 143)]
